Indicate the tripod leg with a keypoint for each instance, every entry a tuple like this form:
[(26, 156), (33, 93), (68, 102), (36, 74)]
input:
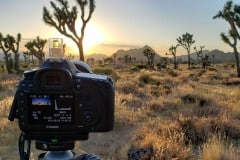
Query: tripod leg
[(21, 146)]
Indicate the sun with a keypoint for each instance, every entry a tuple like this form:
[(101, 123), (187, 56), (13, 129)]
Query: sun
[(93, 36)]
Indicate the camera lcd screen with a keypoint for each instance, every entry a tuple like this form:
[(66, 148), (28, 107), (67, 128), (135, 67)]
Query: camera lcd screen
[(51, 109)]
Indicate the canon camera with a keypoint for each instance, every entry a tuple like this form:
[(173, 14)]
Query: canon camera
[(59, 102)]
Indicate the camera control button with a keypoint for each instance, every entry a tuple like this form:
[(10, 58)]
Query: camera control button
[(23, 85), (78, 86), (30, 85), (88, 118)]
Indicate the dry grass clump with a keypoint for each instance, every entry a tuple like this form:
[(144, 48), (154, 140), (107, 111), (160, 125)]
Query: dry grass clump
[(125, 114), (8, 85), (164, 107), (196, 130), (231, 81), (218, 149), (146, 78), (129, 86), (9, 131), (166, 139), (201, 105), (229, 128)]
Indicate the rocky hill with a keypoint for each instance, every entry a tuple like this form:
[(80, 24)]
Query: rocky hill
[(136, 53)]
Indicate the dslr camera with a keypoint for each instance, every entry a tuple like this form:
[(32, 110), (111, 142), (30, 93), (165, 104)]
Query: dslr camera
[(60, 103)]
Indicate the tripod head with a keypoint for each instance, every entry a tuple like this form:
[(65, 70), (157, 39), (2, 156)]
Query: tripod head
[(55, 150)]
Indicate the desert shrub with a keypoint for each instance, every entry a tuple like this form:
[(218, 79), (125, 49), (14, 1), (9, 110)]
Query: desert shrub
[(127, 88), (201, 100), (217, 145), (103, 70), (134, 69), (231, 81), (145, 78), (227, 128), (193, 76), (106, 71), (196, 131), (131, 101), (201, 72), (25, 66), (125, 113), (212, 69), (142, 66), (166, 140), (159, 90), (202, 106), (172, 73), (162, 107), (188, 98)]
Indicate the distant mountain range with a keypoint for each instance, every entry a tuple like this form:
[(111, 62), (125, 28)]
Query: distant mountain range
[(216, 55)]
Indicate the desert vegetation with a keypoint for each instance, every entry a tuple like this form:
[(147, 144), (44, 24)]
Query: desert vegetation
[(165, 114)]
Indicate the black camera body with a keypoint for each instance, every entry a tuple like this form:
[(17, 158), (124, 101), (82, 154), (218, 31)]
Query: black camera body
[(59, 103)]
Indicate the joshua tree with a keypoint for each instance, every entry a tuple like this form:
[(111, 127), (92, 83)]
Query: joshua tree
[(186, 40), (173, 51), (4, 46), (36, 47), (64, 20), (150, 56), (26, 56), (127, 59), (14, 46), (231, 14), (204, 59)]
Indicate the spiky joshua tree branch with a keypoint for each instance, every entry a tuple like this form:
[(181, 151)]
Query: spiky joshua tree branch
[(231, 14), (64, 20)]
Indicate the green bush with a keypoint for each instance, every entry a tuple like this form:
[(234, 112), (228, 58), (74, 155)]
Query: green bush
[(134, 69), (106, 71), (142, 66), (145, 78)]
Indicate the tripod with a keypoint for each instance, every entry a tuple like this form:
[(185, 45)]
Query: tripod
[(55, 151)]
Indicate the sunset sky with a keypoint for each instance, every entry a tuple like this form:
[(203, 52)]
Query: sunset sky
[(125, 24)]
